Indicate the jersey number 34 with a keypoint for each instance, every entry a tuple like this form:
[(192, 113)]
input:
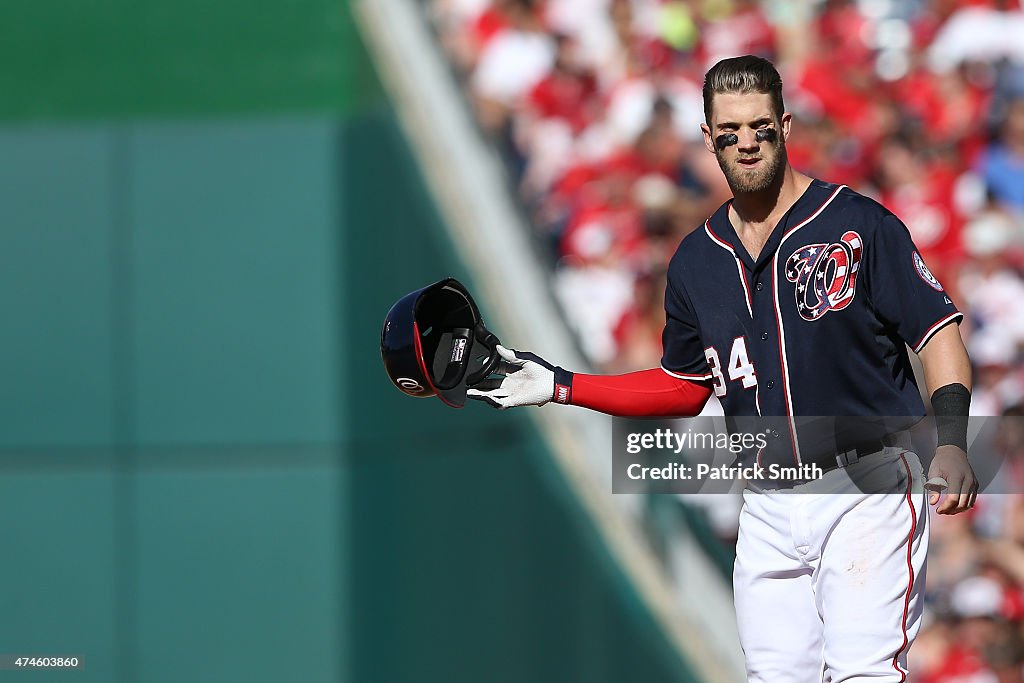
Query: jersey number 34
[(739, 367)]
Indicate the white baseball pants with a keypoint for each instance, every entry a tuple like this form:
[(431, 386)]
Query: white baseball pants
[(829, 581)]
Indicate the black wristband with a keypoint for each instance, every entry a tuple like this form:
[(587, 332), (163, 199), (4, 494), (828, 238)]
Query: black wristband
[(563, 386), (951, 405)]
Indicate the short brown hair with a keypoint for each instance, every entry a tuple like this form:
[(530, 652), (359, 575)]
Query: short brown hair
[(742, 75)]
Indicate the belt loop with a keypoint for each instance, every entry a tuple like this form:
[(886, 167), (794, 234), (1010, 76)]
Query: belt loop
[(848, 458)]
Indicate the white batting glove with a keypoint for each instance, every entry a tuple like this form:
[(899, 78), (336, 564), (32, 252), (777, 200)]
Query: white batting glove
[(528, 380)]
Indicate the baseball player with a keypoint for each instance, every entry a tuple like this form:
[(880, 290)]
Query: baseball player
[(799, 297)]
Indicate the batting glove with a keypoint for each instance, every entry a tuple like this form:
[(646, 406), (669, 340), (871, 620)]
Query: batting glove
[(528, 380)]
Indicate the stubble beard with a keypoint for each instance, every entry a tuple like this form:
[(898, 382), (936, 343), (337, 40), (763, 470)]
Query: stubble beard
[(745, 182)]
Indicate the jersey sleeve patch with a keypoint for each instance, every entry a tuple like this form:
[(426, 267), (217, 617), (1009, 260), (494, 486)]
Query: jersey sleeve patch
[(925, 274)]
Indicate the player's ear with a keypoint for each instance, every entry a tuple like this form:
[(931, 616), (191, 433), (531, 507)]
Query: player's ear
[(787, 124), (708, 142)]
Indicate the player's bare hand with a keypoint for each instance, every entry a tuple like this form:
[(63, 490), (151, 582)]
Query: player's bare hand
[(951, 467), (528, 381)]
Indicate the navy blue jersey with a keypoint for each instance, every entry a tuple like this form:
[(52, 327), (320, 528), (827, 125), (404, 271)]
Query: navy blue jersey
[(819, 324)]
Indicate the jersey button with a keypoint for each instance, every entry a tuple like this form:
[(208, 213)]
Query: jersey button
[(764, 336), (771, 383), (775, 434), (759, 285)]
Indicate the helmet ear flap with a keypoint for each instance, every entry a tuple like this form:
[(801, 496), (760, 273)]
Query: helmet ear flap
[(449, 366), (486, 357), (435, 343)]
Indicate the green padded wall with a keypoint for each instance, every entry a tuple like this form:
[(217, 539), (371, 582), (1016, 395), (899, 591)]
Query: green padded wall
[(113, 59), (239, 568), (171, 451), (59, 568), (234, 282), (55, 287)]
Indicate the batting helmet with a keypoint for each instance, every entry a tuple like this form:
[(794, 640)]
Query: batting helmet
[(434, 342)]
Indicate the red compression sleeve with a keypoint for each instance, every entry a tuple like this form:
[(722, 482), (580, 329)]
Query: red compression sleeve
[(646, 393)]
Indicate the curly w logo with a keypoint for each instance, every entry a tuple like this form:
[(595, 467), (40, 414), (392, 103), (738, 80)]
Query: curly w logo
[(825, 275)]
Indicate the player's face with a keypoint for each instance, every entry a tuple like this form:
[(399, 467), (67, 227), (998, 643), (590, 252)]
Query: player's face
[(752, 163)]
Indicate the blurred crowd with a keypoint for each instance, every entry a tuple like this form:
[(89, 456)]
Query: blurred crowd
[(596, 107), (973, 628)]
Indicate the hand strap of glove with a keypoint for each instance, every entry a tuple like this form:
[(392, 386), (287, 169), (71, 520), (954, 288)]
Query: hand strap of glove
[(563, 378), (951, 405)]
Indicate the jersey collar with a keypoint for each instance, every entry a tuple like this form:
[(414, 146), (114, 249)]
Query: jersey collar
[(803, 208)]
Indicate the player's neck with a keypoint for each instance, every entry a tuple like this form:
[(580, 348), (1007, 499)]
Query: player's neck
[(756, 210), (755, 214)]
